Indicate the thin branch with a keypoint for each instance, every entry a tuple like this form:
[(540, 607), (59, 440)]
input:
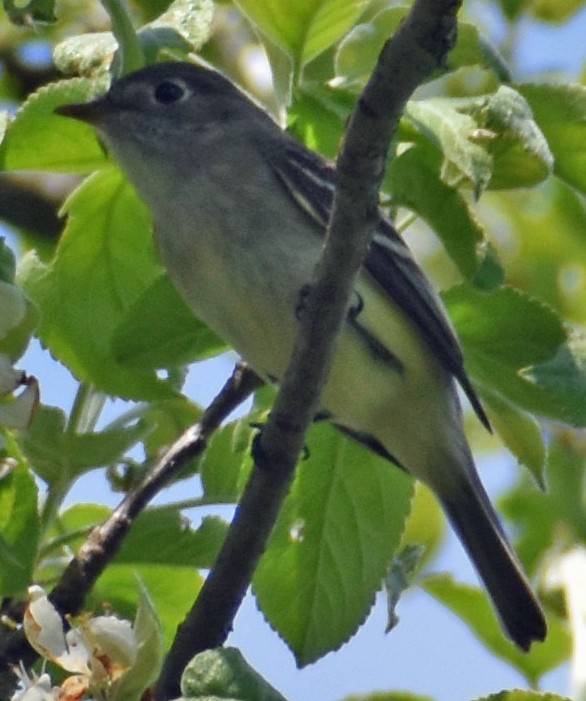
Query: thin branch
[(104, 541), (414, 52)]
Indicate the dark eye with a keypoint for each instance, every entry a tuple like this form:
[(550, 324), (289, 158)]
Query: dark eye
[(168, 92)]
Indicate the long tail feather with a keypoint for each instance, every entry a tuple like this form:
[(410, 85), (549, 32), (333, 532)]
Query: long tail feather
[(478, 527)]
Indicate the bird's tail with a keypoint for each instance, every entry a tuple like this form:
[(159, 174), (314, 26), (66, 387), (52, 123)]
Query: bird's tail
[(476, 523)]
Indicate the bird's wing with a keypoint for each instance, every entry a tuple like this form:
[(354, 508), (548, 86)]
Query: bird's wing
[(310, 180)]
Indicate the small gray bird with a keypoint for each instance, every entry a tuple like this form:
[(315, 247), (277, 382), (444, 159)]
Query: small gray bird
[(240, 210)]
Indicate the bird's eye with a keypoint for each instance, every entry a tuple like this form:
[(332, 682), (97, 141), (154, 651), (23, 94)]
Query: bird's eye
[(168, 92)]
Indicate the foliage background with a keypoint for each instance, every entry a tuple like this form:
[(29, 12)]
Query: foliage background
[(539, 235)]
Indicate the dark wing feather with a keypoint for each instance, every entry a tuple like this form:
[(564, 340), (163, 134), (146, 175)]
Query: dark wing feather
[(390, 263), (310, 180)]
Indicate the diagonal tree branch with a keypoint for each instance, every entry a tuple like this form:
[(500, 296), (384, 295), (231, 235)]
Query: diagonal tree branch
[(104, 541), (418, 48)]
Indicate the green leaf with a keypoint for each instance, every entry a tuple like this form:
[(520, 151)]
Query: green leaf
[(38, 139), (166, 420), (19, 530), (227, 461), (182, 28), (129, 57), (333, 542), (282, 68), (105, 262), (159, 331), (560, 112), (426, 524), (473, 49), (74, 525), (414, 182), (398, 579), (565, 481), (161, 550), (520, 432), (172, 589), (555, 11), (17, 339), (490, 273), (318, 116), (149, 659), (171, 580), (12, 307), (150, 9), (548, 228), (82, 516), (30, 12), (445, 122), (507, 130), (359, 49), (559, 515), (191, 19), (160, 537), (159, 43), (472, 606), (7, 262), (84, 54), (18, 315), (223, 673), (512, 8), (490, 141), (305, 28), (504, 334), (59, 455), (563, 378), (180, 31)]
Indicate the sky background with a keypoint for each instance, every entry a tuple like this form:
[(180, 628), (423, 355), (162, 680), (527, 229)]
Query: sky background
[(430, 652)]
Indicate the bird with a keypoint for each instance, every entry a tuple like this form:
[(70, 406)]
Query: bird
[(240, 210)]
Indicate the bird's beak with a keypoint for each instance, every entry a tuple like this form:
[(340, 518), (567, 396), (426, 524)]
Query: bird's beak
[(90, 112)]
